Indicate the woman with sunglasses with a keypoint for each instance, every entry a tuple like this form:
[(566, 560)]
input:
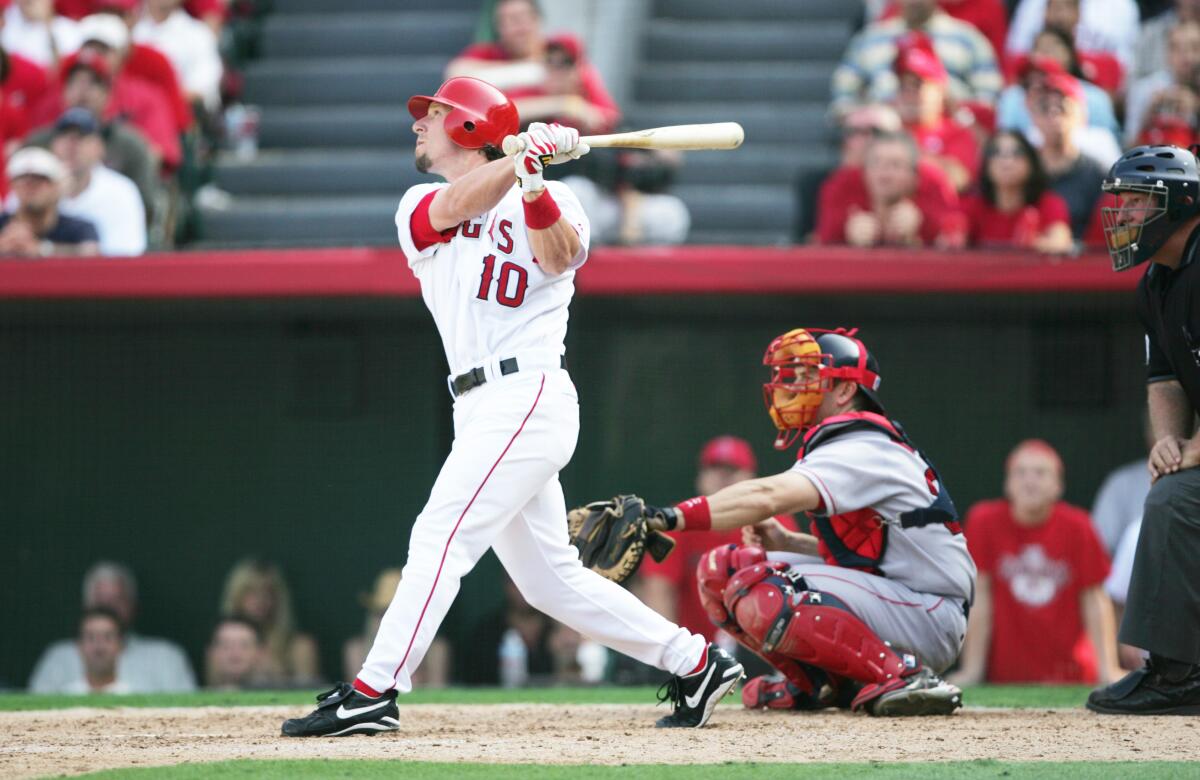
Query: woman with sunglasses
[(1013, 206)]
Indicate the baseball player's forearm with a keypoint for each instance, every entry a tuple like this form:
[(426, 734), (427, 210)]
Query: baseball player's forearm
[(555, 246), (752, 501), (472, 194)]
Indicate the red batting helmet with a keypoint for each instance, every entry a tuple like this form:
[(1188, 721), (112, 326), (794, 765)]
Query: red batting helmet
[(480, 114)]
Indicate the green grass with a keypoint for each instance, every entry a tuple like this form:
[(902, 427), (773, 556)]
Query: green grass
[(1158, 770), (981, 696)]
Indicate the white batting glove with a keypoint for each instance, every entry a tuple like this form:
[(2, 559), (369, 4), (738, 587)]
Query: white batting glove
[(538, 143), (567, 145)]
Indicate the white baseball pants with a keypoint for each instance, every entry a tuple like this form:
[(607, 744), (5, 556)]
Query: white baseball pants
[(499, 488)]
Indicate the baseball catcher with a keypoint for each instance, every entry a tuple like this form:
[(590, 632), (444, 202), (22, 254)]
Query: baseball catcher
[(868, 608)]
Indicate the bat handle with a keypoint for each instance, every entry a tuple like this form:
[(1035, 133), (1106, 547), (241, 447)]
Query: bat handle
[(512, 145)]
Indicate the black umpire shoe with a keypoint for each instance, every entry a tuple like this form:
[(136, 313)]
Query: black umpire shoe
[(695, 695), (343, 711), (1161, 687)]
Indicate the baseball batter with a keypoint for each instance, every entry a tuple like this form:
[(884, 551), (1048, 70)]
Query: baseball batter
[(497, 262), (867, 609)]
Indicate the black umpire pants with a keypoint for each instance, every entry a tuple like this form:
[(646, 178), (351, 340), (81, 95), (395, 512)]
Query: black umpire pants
[(1162, 612)]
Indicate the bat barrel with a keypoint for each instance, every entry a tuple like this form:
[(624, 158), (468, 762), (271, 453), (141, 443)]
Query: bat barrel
[(713, 136)]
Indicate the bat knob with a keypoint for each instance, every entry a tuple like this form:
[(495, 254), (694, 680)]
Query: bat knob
[(512, 145)]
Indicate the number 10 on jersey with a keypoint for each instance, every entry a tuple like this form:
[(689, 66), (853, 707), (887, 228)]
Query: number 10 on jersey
[(510, 286)]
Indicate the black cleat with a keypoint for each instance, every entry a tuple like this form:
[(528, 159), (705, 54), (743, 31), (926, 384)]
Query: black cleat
[(343, 711), (695, 696), (1161, 687)]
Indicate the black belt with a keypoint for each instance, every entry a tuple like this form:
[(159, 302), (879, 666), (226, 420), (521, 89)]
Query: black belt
[(475, 377)]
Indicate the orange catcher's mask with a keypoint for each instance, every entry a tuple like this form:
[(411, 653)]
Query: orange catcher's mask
[(804, 364)]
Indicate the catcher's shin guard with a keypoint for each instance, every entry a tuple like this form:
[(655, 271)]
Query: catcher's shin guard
[(785, 618), (713, 572)]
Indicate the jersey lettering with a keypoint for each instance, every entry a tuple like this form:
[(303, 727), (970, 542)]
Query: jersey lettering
[(506, 246), (510, 287), (471, 229)]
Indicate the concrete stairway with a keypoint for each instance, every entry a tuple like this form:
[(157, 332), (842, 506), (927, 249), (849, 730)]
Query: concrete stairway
[(764, 63), (336, 149), (335, 143)]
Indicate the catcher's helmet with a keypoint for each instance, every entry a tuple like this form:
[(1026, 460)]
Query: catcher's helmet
[(804, 364), (1169, 176), (480, 114)]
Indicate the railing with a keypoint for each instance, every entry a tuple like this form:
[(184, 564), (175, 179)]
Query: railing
[(355, 272)]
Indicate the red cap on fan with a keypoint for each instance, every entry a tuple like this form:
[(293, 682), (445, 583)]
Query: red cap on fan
[(916, 56), (729, 451), (1065, 84)]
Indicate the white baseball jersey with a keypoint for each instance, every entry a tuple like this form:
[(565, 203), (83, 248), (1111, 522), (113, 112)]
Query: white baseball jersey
[(868, 470), (487, 294)]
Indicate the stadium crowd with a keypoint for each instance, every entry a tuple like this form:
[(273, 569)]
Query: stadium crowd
[(980, 123), (127, 96)]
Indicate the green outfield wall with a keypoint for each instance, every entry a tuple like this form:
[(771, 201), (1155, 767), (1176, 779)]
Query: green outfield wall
[(181, 436)]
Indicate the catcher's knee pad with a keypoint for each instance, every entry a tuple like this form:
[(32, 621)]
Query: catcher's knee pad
[(777, 610), (713, 572)]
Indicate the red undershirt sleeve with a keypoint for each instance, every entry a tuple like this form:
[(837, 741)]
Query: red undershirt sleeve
[(423, 233)]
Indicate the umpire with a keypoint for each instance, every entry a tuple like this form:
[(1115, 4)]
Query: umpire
[(1157, 218)]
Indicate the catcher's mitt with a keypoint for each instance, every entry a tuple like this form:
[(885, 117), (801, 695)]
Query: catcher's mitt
[(613, 536)]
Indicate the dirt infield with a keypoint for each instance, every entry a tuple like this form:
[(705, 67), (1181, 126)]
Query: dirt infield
[(81, 740)]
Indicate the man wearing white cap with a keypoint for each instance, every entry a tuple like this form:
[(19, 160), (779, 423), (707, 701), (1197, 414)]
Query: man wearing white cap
[(36, 228)]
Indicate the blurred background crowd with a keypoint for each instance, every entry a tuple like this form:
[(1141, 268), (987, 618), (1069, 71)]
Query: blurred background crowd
[(938, 123), (1048, 569)]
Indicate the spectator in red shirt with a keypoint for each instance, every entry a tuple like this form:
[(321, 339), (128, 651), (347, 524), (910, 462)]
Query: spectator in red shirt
[(921, 103), (88, 84), (548, 78), (883, 204), (1041, 613), (670, 587), (1014, 206), (144, 61), (140, 99)]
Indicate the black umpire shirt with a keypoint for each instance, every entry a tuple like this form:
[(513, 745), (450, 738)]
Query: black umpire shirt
[(1169, 307)]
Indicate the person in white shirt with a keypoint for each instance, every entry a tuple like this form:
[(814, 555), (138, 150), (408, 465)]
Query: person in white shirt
[(190, 46), (1104, 25), (1119, 502), (96, 193), (1183, 57), (101, 640), (145, 664), (33, 31)]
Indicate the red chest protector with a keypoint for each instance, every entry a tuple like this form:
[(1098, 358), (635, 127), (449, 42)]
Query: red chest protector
[(858, 539)]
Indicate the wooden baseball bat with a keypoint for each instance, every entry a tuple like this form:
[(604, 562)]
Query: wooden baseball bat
[(716, 135)]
